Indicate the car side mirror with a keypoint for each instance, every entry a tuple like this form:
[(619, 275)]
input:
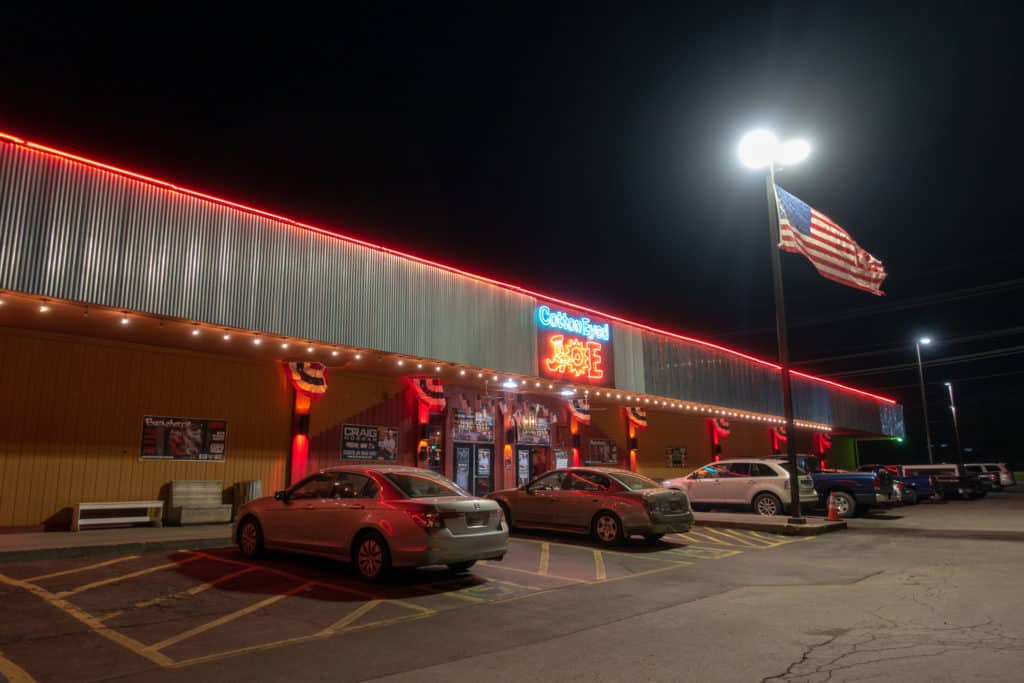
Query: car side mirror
[(281, 495)]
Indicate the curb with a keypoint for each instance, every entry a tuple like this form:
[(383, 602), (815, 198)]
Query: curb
[(112, 549), (783, 528), (969, 534)]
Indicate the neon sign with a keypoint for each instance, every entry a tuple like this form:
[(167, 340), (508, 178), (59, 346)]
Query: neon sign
[(560, 320), (574, 348)]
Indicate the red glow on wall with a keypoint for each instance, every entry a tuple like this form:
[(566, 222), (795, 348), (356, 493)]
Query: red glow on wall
[(42, 149), (300, 456)]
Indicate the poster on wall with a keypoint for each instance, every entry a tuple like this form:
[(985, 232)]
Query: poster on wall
[(368, 442), (523, 465), (532, 430), (675, 457), (473, 427), (603, 452), (183, 438), (561, 458)]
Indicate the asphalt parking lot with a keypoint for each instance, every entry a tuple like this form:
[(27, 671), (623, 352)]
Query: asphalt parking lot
[(557, 608)]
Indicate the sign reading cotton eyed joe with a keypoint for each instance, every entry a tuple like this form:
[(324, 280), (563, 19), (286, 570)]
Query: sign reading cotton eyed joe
[(574, 347)]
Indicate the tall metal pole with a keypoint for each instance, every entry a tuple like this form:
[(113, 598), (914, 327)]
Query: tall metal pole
[(924, 402), (956, 428), (796, 514)]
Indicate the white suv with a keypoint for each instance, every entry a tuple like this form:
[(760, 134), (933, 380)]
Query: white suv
[(758, 483), (999, 469)]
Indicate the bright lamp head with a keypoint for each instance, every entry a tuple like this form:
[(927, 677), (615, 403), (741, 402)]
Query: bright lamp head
[(924, 341), (793, 152), (758, 148)]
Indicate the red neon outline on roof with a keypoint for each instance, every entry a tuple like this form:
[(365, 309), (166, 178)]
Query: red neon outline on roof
[(6, 137)]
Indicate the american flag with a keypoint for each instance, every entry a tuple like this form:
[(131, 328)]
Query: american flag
[(803, 230)]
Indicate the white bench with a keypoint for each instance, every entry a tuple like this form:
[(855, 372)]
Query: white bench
[(197, 501), (150, 511)]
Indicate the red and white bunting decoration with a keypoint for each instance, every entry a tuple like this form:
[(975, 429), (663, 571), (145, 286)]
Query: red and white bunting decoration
[(309, 379), (429, 391), (778, 437), (822, 442), (579, 409), (636, 416)]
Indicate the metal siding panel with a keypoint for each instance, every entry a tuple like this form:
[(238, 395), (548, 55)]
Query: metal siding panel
[(628, 357)]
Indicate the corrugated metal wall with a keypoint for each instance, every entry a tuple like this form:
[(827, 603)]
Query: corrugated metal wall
[(72, 231)]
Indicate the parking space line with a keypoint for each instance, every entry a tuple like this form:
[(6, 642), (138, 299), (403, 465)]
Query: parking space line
[(599, 573), (497, 565), (115, 579), (110, 615), (195, 590), (545, 559), (92, 622), (735, 537), (350, 617), (202, 628), (607, 551), (82, 569), (702, 536), (12, 673)]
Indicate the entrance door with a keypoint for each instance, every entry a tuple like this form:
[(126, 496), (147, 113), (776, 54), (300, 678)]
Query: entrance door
[(524, 465), (474, 467)]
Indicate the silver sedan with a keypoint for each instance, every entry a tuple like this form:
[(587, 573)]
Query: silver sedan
[(610, 504), (376, 517)]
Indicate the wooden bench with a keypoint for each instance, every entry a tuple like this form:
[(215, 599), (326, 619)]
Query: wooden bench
[(197, 501), (151, 512)]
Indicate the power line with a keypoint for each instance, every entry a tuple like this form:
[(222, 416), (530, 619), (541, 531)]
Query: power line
[(1004, 332), (937, 362)]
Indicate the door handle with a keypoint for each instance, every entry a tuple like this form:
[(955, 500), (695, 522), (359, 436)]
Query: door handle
[(354, 506), (309, 507)]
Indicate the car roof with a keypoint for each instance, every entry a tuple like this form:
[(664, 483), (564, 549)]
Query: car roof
[(766, 461), (373, 467), (606, 470)]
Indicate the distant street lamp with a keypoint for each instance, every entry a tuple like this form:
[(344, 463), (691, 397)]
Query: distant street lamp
[(956, 427), (760, 149), (924, 400)]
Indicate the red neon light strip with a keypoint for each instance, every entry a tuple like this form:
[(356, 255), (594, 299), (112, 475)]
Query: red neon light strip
[(6, 137)]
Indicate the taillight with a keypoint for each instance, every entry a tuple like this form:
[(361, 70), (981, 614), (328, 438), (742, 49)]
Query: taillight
[(931, 481), (427, 516), (878, 483)]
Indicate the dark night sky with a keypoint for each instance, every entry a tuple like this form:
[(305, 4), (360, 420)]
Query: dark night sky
[(589, 152)]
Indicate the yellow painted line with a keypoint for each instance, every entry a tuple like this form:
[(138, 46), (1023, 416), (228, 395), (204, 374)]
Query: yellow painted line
[(605, 550), (92, 622), (503, 582), (531, 573), (195, 590), (737, 538), (545, 558), (123, 577), (703, 537), (350, 617), (202, 628), (12, 672), (110, 615), (599, 572), (82, 569)]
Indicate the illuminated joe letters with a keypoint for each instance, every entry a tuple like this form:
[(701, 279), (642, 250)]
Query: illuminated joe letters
[(573, 347)]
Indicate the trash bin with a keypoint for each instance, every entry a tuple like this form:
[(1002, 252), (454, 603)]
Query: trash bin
[(245, 491)]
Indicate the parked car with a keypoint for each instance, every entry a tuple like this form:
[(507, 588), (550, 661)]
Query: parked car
[(609, 504), (899, 490), (757, 483), (915, 489), (953, 482), (377, 517), (853, 492), (991, 479), (1005, 474)]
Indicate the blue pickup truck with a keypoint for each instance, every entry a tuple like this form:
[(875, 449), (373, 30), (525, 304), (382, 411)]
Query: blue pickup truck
[(915, 488), (854, 492)]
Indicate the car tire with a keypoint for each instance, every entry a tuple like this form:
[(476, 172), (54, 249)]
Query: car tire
[(767, 505), (606, 528), (250, 538), (910, 497), (846, 505), (371, 557), (508, 515), (652, 538), (461, 567)]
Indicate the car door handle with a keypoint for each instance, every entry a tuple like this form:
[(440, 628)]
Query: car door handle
[(354, 506), (309, 507)]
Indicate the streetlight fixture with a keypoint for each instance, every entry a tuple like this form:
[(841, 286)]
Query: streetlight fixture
[(924, 341), (956, 427), (761, 149)]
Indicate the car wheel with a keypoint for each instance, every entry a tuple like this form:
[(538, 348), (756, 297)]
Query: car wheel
[(846, 505), (371, 557), (607, 528), (250, 538), (910, 497), (461, 567), (653, 538), (508, 515), (767, 504)]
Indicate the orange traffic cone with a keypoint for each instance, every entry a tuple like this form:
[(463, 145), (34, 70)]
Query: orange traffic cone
[(833, 513)]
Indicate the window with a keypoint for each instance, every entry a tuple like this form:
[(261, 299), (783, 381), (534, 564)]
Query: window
[(635, 482), (549, 482), (736, 469), (351, 485), (706, 472), (761, 470), (320, 485), (586, 481), (423, 484)]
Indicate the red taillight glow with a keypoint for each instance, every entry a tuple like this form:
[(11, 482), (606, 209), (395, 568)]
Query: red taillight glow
[(877, 482)]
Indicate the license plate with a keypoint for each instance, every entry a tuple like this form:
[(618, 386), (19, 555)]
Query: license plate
[(476, 518)]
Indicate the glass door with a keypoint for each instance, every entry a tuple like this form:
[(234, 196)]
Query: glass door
[(474, 467), (524, 465)]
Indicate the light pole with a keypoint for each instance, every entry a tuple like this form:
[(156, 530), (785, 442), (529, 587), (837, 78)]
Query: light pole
[(761, 149), (924, 400), (956, 427)]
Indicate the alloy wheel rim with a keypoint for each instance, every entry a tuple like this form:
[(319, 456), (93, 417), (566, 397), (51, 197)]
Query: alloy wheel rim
[(766, 506), (842, 505), (370, 558), (607, 529), (249, 538)]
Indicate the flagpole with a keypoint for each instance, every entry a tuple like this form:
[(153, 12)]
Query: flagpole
[(796, 513)]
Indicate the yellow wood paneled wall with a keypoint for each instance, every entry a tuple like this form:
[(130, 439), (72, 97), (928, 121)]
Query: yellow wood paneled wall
[(71, 420)]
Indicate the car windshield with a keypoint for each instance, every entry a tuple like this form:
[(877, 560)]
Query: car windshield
[(423, 484), (635, 482)]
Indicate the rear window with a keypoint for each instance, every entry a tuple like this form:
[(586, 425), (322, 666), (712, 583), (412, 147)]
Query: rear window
[(635, 482), (423, 485)]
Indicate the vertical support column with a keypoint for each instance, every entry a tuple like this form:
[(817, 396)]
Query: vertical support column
[(299, 462), (633, 446), (574, 429)]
